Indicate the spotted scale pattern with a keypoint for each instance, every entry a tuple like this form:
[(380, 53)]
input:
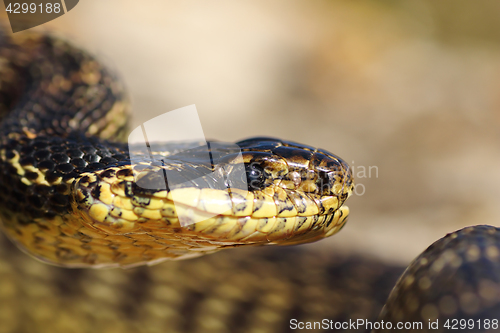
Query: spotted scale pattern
[(75, 199), (456, 278), (244, 290)]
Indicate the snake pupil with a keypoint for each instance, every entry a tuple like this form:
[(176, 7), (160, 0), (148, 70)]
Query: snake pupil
[(255, 176)]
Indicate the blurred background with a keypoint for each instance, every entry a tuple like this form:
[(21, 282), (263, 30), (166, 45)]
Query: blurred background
[(409, 89)]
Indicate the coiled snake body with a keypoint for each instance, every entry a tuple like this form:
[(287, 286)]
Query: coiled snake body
[(72, 198)]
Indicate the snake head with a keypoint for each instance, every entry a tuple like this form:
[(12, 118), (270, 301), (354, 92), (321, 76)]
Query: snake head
[(267, 191), (308, 187)]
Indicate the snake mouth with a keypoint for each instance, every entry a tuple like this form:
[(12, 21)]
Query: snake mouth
[(273, 216), (234, 231)]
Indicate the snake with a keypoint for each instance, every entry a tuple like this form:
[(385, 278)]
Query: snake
[(75, 197)]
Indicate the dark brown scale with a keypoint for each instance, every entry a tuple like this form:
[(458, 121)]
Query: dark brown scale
[(26, 150), (324, 163), (11, 144), (127, 188), (103, 151), (75, 153), (134, 189), (96, 166), (329, 218), (40, 144), (108, 160), (59, 199), (65, 168), (22, 186), (62, 188), (295, 158), (325, 181), (124, 173), (18, 196), (69, 176), (60, 158), (9, 154), (343, 196), (50, 214), (91, 158), (59, 210), (72, 146), (57, 149), (41, 155), (28, 160), (14, 207), (67, 254), (96, 192), (88, 150), (36, 201), (43, 189), (53, 176), (9, 169), (30, 211), (85, 179), (456, 278), (78, 163), (108, 173), (31, 175)]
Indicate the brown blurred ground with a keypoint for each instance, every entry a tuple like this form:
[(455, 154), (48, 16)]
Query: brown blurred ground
[(411, 88)]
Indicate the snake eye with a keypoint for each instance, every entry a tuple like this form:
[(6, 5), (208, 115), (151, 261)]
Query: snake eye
[(255, 176)]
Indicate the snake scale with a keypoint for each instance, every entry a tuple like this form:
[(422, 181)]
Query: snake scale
[(72, 198)]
